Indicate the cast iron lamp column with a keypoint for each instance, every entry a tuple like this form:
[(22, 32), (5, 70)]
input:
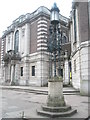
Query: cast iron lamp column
[(54, 48), (54, 51), (54, 22)]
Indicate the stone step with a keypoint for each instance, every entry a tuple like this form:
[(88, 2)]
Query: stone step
[(38, 91), (46, 92), (57, 114), (56, 109), (71, 91)]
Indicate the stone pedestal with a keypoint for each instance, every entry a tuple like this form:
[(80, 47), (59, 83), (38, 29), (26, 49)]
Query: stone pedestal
[(55, 105), (55, 93)]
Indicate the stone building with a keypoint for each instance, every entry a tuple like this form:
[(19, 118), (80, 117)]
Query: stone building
[(24, 56), (80, 45)]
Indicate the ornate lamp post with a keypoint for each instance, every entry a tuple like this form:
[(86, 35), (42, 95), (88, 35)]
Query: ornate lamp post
[(55, 37), (55, 105)]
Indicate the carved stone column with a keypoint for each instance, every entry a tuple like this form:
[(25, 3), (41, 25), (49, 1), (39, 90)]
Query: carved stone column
[(12, 72)]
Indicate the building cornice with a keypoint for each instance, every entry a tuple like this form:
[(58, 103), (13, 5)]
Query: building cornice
[(23, 19), (75, 3), (82, 45)]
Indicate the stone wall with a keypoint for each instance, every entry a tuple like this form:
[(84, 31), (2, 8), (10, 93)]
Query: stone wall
[(41, 63), (85, 68), (83, 21)]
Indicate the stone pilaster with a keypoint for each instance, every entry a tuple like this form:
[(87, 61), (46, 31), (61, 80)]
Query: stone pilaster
[(9, 76), (27, 38), (26, 73), (6, 48), (5, 73), (12, 74), (17, 73), (42, 69), (66, 70), (39, 72), (20, 39)]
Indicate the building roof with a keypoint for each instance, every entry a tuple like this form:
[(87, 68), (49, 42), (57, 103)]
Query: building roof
[(27, 17)]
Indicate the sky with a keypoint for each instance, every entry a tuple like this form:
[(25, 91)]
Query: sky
[(12, 9)]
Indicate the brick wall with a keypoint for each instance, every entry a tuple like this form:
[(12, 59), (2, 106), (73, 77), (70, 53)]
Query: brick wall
[(83, 21), (33, 39)]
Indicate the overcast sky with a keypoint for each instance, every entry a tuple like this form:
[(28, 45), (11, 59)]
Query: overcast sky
[(12, 9)]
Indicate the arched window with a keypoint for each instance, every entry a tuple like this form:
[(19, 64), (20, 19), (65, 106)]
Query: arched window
[(16, 43), (64, 39)]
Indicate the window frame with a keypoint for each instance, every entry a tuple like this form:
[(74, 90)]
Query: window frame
[(75, 65), (21, 71), (16, 42), (75, 31), (33, 70)]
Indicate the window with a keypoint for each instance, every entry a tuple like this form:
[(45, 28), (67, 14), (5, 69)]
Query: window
[(62, 72), (33, 70), (16, 43), (21, 71), (75, 25), (75, 66), (64, 39)]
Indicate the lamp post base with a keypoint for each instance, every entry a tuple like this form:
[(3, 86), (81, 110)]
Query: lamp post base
[(55, 105)]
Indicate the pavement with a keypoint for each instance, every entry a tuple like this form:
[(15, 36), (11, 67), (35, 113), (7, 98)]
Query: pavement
[(34, 97)]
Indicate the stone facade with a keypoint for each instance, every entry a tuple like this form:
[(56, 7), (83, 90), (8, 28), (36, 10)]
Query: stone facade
[(25, 60), (80, 46), (31, 65)]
